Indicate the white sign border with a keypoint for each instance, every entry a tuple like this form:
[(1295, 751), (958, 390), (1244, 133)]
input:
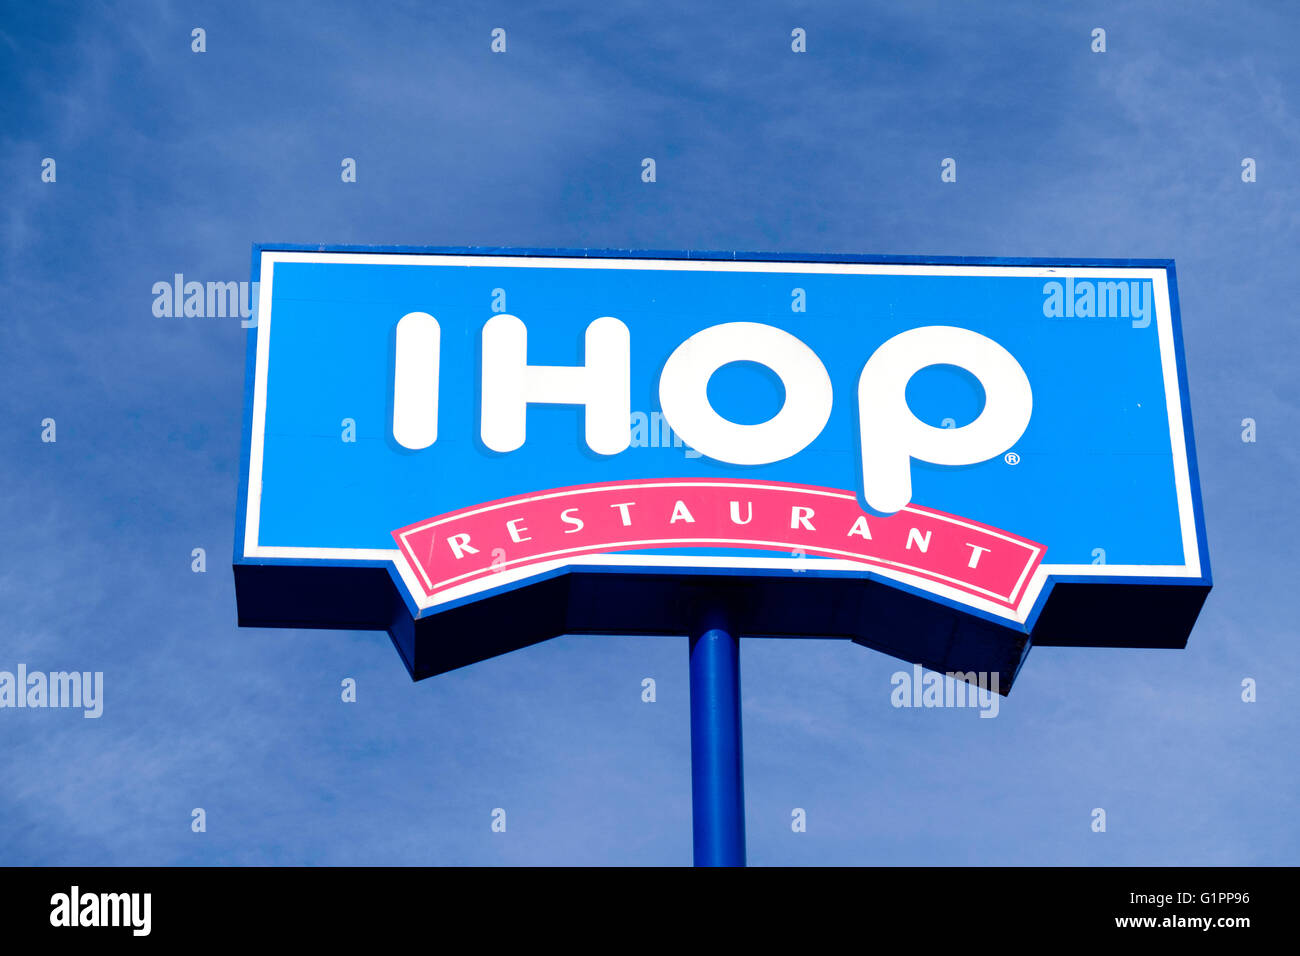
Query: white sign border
[(1191, 568)]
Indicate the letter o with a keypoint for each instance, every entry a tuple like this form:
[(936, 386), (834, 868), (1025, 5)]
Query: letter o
[(684, 384)]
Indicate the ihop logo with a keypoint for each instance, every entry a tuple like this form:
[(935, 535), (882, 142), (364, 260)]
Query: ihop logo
[(890, 433), (467, 422)]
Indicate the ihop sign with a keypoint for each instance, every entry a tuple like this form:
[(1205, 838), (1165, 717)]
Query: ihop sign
[(946, 460)]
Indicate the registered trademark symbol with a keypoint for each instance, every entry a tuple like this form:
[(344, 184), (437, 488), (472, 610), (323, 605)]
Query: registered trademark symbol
[(1011, 458)]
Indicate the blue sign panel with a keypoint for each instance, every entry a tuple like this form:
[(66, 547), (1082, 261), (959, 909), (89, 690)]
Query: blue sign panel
[(946, 459)]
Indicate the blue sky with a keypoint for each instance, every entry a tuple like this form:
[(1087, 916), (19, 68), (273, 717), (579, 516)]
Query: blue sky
[(170, 161)]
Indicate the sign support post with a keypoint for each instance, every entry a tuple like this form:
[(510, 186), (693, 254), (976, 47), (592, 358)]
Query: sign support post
[(717, 776), (472, 522)]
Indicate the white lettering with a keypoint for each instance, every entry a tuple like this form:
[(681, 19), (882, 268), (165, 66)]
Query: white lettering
[(602, 386), (460, 546)]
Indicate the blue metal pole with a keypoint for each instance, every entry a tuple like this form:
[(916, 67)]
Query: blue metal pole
[(717, 778)]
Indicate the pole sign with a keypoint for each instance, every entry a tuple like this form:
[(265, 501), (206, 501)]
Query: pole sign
[(948, 460)]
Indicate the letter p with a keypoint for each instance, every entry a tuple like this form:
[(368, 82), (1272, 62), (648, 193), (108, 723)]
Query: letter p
[(891, 436)]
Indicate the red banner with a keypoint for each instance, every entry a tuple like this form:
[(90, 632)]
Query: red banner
[(564, 523)]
